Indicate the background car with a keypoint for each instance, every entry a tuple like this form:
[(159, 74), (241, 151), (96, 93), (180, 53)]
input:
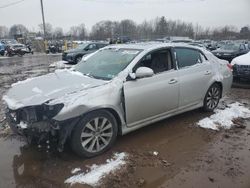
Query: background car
[(2, 49), (117, 90), (230, 51), (75, 55), (241, 67)]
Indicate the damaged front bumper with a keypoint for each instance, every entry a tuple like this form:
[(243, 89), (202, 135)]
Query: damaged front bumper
[(39, 128)]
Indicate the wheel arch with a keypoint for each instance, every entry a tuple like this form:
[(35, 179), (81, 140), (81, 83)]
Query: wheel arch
[(77, 56), (110, 110)]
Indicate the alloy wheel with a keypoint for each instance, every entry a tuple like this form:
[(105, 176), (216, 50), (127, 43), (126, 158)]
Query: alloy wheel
[(213, 97), (96, 134)]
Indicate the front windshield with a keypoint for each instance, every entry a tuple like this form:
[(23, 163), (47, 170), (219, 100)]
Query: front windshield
[(233, 47), (82, 46), (107, 63)]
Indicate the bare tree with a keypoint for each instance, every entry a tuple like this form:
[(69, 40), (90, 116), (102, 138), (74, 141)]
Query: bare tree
[(78, 32), (245, 32), (4, 31), (48, 29), (128, 28), (18, 29), (58, 33)]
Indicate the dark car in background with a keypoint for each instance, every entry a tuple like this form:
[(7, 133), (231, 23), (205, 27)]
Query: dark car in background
[(2, 49), (75, 55), (230, 50)]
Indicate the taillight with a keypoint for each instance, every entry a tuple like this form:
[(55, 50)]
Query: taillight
[(230, 67)]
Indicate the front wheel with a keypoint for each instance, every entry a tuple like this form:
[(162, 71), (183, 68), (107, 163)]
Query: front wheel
[(78, 59), (94, 134), (212, 97)]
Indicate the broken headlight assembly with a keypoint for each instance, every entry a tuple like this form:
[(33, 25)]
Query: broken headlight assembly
[(50, 111), (35, 113)]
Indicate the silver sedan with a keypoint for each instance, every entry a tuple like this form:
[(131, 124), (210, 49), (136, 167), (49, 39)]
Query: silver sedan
[(114, 91)]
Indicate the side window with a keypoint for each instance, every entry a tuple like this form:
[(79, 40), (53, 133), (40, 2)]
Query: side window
[(242, 47), (188, 57), (159, 61), (92, 46), (101, 45)]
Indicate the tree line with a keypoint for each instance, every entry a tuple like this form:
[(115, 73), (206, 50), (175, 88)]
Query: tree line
[(157, 28)]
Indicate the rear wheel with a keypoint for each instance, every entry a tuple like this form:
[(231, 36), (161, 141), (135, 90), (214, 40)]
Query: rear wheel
[(212, 97), (94, 134)]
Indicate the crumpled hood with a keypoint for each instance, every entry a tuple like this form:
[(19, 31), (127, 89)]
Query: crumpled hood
[(38, 90)]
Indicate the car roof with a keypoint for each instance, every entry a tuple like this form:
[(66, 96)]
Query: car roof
[(151, 45)]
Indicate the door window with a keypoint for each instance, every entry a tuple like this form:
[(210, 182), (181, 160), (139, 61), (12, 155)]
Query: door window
[(187, 57), (159, 61), (92, 47)]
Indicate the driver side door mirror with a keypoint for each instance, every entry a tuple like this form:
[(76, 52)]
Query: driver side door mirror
[(142, 72)]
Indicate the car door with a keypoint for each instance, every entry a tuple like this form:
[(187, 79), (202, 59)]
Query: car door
[(195, 73), (151, 97)]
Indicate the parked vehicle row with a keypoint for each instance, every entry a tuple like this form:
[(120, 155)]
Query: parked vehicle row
[(118, 89), (12, 47), (75, 55), (230, 51)]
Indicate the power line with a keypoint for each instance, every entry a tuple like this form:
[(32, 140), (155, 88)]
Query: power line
[(11, 4)]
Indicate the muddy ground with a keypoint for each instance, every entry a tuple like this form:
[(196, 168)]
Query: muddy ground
[(189, 156)]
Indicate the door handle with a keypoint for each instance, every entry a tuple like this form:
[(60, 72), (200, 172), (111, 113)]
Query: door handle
[(207, 72), (172, 81)]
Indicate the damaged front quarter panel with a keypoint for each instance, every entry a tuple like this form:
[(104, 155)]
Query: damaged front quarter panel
[(59, 109)]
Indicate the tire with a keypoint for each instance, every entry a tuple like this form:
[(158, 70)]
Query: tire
[(94, 134), (78, 59), (212, 97), (20, 54)]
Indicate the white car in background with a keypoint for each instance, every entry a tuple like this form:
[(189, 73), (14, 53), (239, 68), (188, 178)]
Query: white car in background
[(241, 66)]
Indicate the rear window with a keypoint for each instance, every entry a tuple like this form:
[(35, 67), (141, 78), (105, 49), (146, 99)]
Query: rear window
[(187, 57)]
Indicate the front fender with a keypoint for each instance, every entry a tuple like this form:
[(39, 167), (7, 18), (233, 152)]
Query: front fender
[(81, 110)]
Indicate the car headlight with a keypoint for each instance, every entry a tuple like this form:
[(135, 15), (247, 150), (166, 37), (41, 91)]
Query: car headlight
[(71, 55), (52, 110)]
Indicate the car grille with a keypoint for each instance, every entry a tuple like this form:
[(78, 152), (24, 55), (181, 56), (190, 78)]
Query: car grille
[(243, 67), (241, 70)]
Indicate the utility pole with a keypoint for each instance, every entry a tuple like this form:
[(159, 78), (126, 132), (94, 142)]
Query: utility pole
[(44, 29)]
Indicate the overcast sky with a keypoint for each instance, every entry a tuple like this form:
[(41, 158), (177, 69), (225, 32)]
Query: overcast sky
[(66, 13)]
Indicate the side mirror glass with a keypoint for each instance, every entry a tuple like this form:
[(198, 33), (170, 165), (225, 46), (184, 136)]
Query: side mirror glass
[(142, 72)]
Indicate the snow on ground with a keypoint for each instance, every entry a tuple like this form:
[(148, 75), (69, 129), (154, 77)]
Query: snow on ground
[(96, 172), (22, 125), (60, 65), (75, 170), (4, 57), (223, 118), (155, 153)]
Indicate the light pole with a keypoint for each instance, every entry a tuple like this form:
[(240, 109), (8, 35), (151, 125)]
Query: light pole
[(44, 29)]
